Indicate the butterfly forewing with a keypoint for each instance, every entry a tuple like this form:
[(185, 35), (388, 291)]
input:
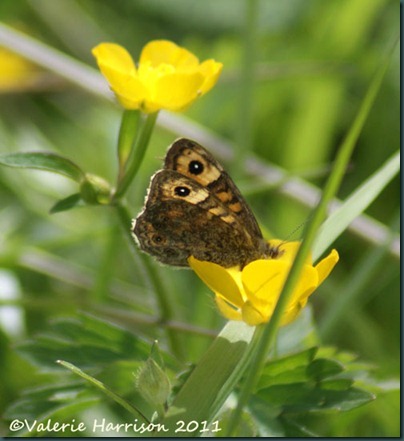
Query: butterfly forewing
[(192, 160)]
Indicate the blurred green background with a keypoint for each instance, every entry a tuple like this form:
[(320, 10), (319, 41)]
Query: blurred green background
[(294, 75)]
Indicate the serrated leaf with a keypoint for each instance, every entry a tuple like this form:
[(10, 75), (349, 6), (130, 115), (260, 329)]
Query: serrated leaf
[(96, 346), (338, 384), (57, 402), (66, 203), (346, 400), (353, 368), (114, 353), (294, 375), (305, 397), (290, 396), (332, 352), (41, 400), (290, 369), (290, 362), (84, 341), (323, 368), (44, 161)]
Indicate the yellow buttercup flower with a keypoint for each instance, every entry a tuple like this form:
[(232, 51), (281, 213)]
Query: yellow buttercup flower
[(251, 294), (167, 76)]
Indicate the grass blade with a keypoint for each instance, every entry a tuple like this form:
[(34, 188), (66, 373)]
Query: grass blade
[(355, 205)]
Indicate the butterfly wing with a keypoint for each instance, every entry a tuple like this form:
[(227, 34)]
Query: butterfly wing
[(183, 218), (192, 160)]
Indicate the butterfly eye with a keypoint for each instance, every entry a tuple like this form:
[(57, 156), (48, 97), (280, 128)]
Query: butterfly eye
[(182, 191), (195, 167)]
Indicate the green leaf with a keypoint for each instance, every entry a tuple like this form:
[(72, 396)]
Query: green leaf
[(287, 369), (66, 203), (322, 368), (86, 342), (355, 204), (301, 383), (290, 362), (46, 398), (58, 402), (339, 384), (305, 397), (96, 346), (44, 161), (213, 379)]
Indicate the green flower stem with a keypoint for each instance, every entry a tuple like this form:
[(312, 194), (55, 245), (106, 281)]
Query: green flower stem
[(137, 153), (166, 309), (101, 386), (331, 188), (127, 134)]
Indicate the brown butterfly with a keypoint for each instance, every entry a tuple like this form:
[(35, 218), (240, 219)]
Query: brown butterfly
[(193, 208)]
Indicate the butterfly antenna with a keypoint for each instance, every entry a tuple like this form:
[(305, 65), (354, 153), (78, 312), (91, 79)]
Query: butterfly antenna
[(292, 233), (296, 229)]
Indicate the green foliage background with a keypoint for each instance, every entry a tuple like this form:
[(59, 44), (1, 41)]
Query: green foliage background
[(313, 61)]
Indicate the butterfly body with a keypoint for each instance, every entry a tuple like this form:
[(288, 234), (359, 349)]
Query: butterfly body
[(193, 208)]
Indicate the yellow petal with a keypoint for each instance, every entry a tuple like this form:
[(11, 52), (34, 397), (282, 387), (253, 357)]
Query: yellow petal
[(178, 90), (166, 52), (130, 93), (227, 310), (211, 70), (325, 266), (114, 57), (252, 316), (219, 280), (307, 283), (118, 68), (264, 279), (150, 74), (290, 315)]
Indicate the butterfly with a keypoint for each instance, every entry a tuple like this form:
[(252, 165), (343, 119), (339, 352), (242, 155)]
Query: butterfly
[(193, 208)]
